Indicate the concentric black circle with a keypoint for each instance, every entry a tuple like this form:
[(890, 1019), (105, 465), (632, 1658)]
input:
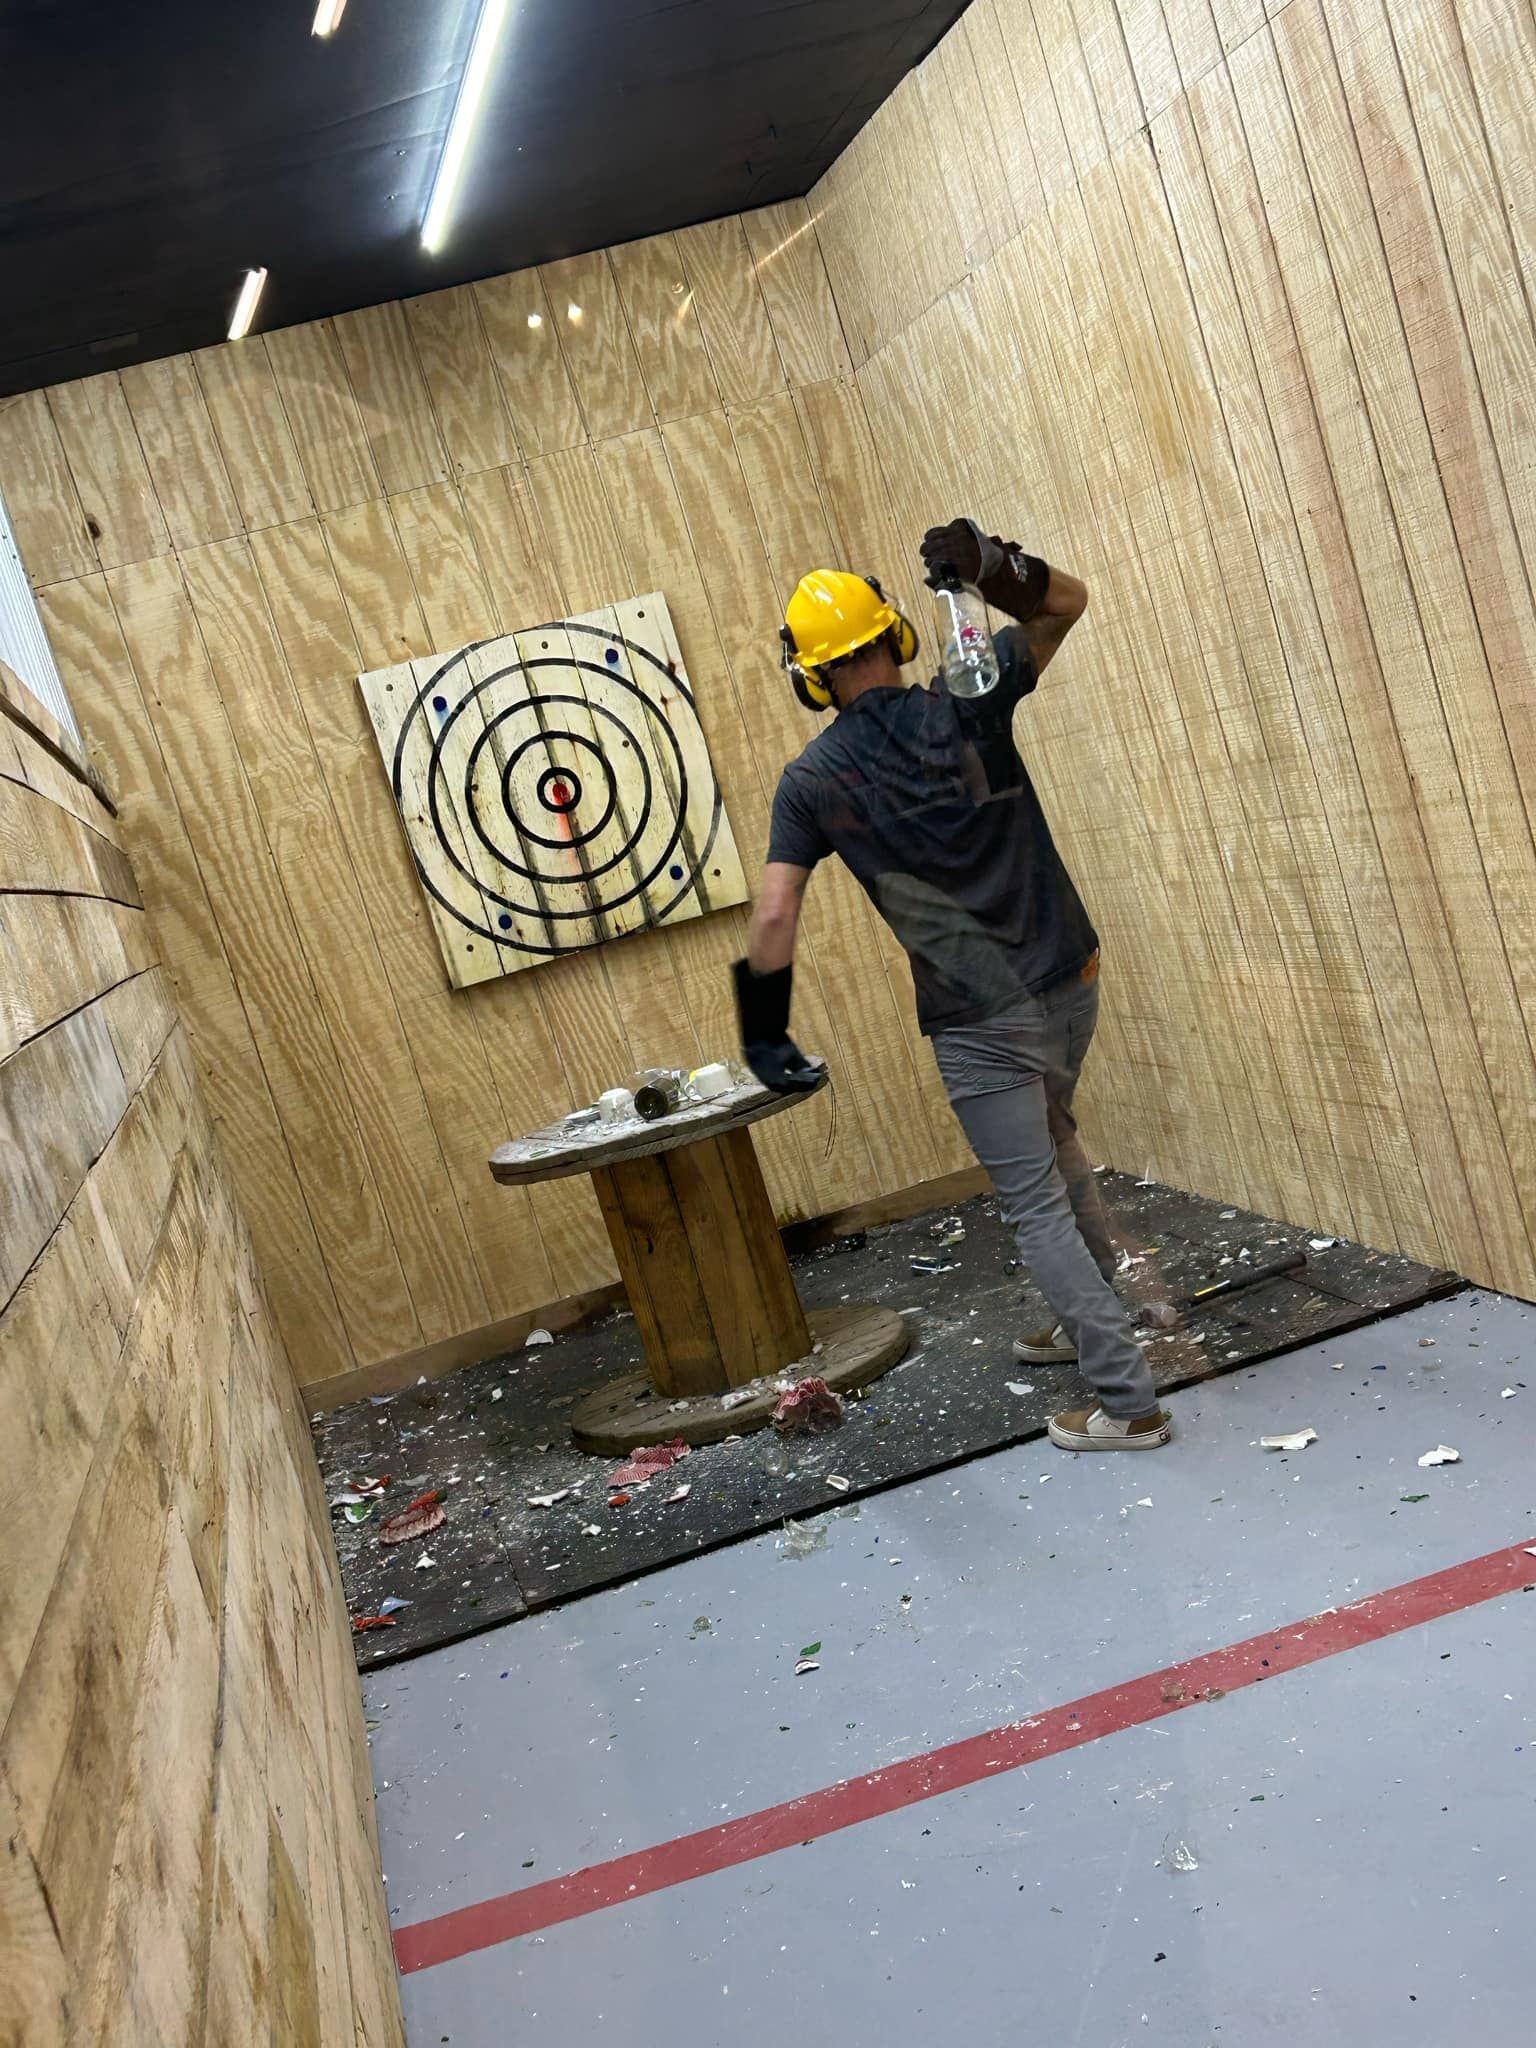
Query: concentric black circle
[(555, 835)]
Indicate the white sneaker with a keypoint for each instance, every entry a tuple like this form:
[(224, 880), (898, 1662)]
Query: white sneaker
[(1090, 1429), (1046, 1347)]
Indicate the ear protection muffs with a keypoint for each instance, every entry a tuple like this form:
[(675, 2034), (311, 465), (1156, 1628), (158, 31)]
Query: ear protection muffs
[(805, 679), (809, 680)]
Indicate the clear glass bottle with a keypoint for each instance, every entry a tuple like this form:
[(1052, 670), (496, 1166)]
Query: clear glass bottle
[(967, 658)]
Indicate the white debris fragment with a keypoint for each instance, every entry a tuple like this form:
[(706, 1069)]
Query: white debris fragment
[(1508, 1393), (735, 1397), (1442, 1454), (1019, 1386), (537, 1337), (677, 1493), (497, 1392), (592, 1529), (1322, 1244), (392, 1605), (426, 1561), (806, 1664), (548, 1500), (838, 1483), (1338, 1365), (1296, 1440), (1146, 1502)]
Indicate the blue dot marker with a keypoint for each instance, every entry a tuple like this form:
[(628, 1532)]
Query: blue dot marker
[(505, 922), (611, 654), (675, 872), (439, 703)]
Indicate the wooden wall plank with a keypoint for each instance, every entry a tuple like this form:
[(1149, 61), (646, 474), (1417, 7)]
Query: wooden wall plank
[(154, 1547), (121, 510), (40, 497), (587, 313), (462, 377), (86, 637), (525, 345), (177, 438), (45, 848), (255, 438), (732, 315), (330, 918), (664, 327), (792, 278), (322, 414), (74, 948), (295, 1047), (392, 396)]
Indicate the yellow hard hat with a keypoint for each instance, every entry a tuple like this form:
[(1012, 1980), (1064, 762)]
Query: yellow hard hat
[(830, 616)]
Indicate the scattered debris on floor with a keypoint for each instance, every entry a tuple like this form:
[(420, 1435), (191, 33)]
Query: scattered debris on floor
[(934, 1265), (1442, 1454), (419, 1519), (503, 1427), (1295, 1440), (809, 1406), (642, 1465), (806, 1664), (536, 1337)]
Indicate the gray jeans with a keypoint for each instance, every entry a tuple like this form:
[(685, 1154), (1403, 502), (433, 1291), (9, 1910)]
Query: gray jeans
[(1011, 1082)]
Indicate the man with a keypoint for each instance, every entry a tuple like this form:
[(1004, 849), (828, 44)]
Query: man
[(924, 797)]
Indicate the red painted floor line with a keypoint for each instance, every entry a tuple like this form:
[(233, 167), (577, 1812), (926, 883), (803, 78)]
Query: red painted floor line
[(1197, 1681)]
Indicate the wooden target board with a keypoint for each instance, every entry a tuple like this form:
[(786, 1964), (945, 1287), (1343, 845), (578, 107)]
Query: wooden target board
[(555, 788)]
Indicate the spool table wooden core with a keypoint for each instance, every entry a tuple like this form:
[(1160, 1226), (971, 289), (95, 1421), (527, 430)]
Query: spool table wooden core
[(699, 1252)]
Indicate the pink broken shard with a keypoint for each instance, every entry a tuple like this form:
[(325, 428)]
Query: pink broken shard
[(646, 1462)]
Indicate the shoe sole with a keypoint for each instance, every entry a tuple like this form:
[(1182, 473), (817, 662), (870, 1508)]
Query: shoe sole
[(1042, 1354), (1149, 1440)]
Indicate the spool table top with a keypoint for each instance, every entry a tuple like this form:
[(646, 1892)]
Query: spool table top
[(556, 1152)]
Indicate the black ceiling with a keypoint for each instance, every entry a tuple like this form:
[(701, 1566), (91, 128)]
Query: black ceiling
[(156, 148)]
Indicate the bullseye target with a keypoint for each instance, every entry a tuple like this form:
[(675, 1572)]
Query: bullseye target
[(555, 788)]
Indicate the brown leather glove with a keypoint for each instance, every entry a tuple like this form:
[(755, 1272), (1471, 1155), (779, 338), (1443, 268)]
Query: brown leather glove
[(1007, 578)]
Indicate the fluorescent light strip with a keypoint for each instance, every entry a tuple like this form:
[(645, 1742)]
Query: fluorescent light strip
[(466, 112), (245, 305), (327, 15)]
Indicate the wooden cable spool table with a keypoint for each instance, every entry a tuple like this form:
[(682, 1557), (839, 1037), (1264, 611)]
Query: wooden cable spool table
[(701, 1259)]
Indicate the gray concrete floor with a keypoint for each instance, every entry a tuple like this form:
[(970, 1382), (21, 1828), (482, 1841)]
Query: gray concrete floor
[(1360, 1829)]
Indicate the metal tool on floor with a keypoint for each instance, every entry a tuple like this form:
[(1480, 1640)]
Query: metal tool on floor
[(1166, 1315)]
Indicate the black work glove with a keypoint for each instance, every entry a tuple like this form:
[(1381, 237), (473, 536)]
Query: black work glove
[(1006, 577), (762, 1008)]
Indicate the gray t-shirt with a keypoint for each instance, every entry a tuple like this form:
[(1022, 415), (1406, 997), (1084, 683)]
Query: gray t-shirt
[(925, 799)]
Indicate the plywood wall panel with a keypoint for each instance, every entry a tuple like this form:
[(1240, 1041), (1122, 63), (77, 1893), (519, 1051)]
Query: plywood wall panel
[(176, 435), (461, 374), (40, 496), (297, 1054), (525, 344), (322, 415), (392, 396), (1272, 400), (587, 314), (142, 1582), (122, 511), (793, 280), (664, 327), (255, 438), (731, 311)]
